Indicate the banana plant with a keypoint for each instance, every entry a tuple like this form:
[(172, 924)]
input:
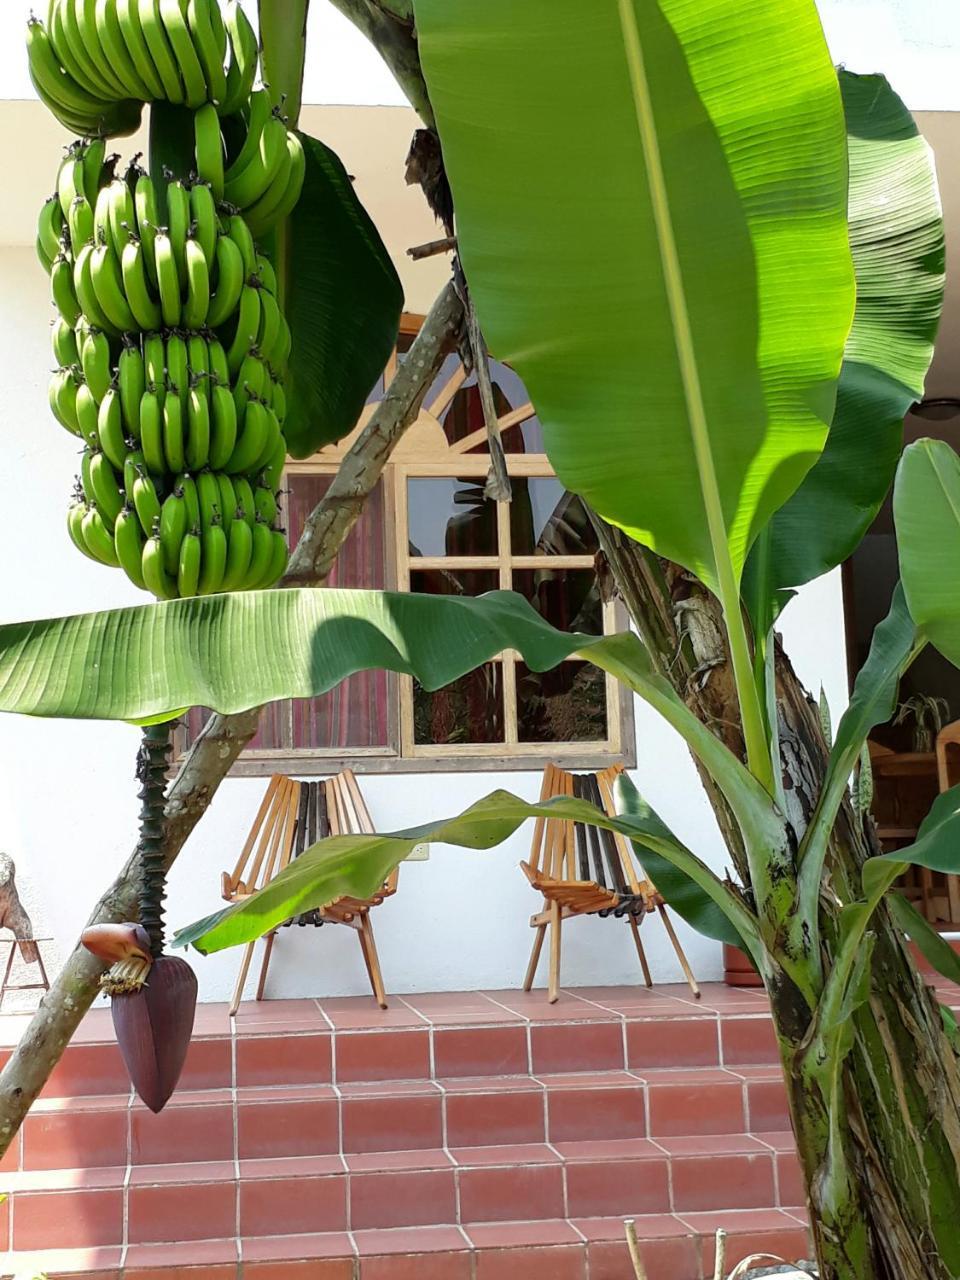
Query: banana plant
[(718, 269)]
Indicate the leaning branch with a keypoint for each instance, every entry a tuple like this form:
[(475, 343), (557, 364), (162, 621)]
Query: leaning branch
[(224, 736)]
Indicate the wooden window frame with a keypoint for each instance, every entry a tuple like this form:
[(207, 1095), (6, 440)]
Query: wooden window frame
[(420, 456)]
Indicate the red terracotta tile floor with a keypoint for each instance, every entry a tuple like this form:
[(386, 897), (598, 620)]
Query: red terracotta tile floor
[(472, 1136)]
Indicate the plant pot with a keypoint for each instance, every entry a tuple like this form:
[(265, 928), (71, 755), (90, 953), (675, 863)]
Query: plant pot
[(738, 970)]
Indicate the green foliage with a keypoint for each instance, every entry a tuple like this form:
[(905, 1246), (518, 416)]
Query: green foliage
[(343, 300), (926, 508)]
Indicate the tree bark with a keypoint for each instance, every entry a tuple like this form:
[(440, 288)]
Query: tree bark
[(895, 1215), (224, 736)]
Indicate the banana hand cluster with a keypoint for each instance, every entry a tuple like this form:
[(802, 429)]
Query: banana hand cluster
[(170, 348), (97, 61)]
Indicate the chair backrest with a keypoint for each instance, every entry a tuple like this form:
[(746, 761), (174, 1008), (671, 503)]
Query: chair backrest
[(575, 851), (293, 816)]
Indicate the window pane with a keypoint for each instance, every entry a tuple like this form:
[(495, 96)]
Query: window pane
[(361, 562), (454, 582), (524, 437), (569, 599), (354, 714), (567, 704), (546, 520), (468, 710), (450, 517)]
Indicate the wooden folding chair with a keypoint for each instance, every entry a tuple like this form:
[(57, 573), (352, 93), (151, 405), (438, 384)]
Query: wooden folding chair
[(581, 870), (293, 816)]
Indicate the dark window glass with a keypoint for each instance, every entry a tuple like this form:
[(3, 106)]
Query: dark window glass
[(569, 599), (454, 582), (468, 710), (546, 520), (567, 704), (450, 517)]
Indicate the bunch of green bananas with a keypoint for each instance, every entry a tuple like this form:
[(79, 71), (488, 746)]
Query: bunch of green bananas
[(97, 61), (170, 348)]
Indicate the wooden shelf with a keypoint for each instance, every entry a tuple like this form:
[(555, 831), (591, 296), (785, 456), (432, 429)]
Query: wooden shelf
[(897, 833)]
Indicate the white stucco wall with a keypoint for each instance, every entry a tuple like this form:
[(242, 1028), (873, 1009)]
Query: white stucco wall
[(67, 796)]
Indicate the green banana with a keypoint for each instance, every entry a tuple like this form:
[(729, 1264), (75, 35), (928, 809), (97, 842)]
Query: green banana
[(223, 426), (45, 262), (273, 441), (244, 59), (178, 220), (50, 226), (213, 558), (145, 501), (261, 556), (155, 576), (161, 55), (132, 380), (283, 193), (128, 544), (95, 362), (128, 17), (203, 211), (245, 499), (85, 293), (265, 502), (106, 495), (63, 339), (155, 363), (189, 486), (88, 411), (278, 561), (62, 396), (108, 286), (217, 362), (268, 338), (63, 290), (198, 430), (75, 513), (101, 215), (97, 538), (208, 497), (278, 400), (73, 60), (228, 497), (197, 303), (117, 53), (248, 326), (152, 419), (178, 35), (178, 368), (133, 464), (168, 279), (86, 11), (198, 362), (70, 178), (230, 277), (188, 568), (173, 527), (80, 221), (250, 382), (239, 233), (258, 110), (253, 439), (146, 310), (145, 204), (68, 99), (272, 472), (110, 429), (208, 145), (173, 434), (239, 551), (249, 183), (266, 273), (121, 214)]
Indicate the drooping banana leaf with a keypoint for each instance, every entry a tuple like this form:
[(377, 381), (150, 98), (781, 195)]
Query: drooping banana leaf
[(357, 866), (230, 652), (932, 945), (937, 847), (651, 204), (685, 895), (897, 239), (926, 510), (342, 298)]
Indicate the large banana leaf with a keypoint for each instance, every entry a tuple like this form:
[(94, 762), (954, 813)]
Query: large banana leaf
[(357, 865), (343, 299), (235, 651), (896, 234), (926, 509), (651, 204)]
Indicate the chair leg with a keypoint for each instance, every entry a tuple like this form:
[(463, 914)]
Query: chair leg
[(242, 977), (535, 956), (684, 962), (369, 948), (635, 930), (267, 953), (553, 991)]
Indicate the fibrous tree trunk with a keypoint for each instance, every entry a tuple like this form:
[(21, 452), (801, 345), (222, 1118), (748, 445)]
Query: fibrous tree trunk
[(896, 1215), (224, 736)]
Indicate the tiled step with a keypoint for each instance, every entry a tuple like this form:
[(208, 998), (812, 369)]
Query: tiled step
[(388, 1190), (673, 1247), (321, 1120), (436, 1037)]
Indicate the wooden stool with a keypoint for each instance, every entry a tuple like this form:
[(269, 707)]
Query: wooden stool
[(582, 870), (292, 817)]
